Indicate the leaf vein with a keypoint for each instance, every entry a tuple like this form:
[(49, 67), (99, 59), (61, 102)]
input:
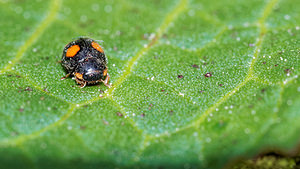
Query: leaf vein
[(53, 10)]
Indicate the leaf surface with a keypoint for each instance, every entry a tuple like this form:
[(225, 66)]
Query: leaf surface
[(195, 84)]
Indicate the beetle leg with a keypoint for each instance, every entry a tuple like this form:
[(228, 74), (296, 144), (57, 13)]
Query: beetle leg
[(83, 84), (67, 75), (106, 80)]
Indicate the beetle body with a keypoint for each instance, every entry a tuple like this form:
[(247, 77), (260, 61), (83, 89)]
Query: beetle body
[(84, 58)]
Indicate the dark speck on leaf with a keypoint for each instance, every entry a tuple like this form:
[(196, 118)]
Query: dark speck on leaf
[(201, 91), (119, 114), (45, 90), (171, 112), (263, 90), (195, 66), (82, 127), (14, 133), (150, 105), (18, 76), (143, 115), (220, 85), (162, 90), (287, 71), (105, 122), (264, 62), (28, 89), (208, 74), (180, 76), (9, 75), (276, 65)]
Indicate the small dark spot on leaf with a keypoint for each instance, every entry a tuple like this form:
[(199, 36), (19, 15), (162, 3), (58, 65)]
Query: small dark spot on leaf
[(287, 71), (21, 110), (82, 127), (220, 84), (264, 62), (14, 133), (208, 74), (143, 115), (86, 105), (101, 91), (119, 114), (47, 58), (263, 90), (45, 90), (204, 63), (28, 89), (171, 112), (276, 65), (201, 91), (162, 90), (150, 105), (9, 75), (195, 66), (180, 76), (105, 122), (18, 76)]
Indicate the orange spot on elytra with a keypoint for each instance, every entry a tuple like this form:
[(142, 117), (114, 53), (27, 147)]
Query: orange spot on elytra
[(79, 76), (72, 51), (97, 47)]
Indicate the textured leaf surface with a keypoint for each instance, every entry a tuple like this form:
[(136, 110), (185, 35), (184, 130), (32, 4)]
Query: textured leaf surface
[(195, 84)]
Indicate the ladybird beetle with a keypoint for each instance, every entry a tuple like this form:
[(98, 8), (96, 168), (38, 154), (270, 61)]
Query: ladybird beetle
[(84, 58)]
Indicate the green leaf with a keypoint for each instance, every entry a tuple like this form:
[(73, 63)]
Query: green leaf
[(195, 84)]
